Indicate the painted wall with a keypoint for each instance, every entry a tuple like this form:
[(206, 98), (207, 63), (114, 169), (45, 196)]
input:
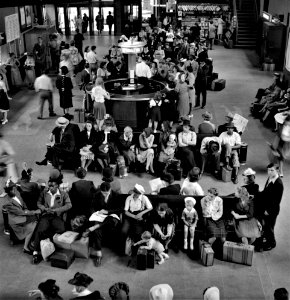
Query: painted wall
[(280, 7)]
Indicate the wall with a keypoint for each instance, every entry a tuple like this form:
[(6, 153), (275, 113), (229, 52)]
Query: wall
[(280, 7)]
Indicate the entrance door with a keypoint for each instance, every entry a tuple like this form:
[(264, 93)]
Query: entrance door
[(104, 12), (60, 18), (72, 13)]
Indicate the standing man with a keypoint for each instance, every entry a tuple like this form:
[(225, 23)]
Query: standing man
[(211, 34), (143, 71), (201, 84), (92, 58), (85, 23), (270, 199), (100, 23), (39, 51), (78, 38), (43, 86), (110, 22)]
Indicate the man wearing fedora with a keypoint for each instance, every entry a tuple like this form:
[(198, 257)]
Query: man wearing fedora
[(64, 148), (229, 118), (206, 127), (231, 142), (201, 84)]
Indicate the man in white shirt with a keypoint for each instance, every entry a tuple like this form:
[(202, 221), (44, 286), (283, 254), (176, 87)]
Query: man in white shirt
[(92, 58), (230, 142), (43, 85), (142, 69)]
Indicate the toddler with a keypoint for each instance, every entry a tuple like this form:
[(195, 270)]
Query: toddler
[(189, 217), (168, 152), (151, 243)]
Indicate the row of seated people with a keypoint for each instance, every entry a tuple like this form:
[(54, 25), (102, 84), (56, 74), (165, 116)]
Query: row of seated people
[(270, 102), (179, 141), (163, 215)]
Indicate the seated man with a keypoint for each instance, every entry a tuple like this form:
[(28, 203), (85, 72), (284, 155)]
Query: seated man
[(104, 201), (53, 204), (62, 149), (206, 127), (230, 142), (211, 151), (127, 147), (270, 89), (229, 118)]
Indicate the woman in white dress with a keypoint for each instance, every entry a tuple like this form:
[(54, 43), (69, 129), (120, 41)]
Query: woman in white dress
[(221, 23)]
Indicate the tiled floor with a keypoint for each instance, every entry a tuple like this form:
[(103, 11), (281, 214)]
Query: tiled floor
[(188, 278)]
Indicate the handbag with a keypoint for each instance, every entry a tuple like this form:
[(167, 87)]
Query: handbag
[(47, 248)]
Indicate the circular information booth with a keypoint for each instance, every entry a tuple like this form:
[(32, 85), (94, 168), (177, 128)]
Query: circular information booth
[(130, 97)]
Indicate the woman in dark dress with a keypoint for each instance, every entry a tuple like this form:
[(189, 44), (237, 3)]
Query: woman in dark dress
[(168, 107), (64, 85)]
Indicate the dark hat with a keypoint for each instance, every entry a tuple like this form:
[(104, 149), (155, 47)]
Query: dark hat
[(64, 70), (49, 287), (207, 115), (107, 174), (68, 117), (230, 125), (81, 279), (186, 123)]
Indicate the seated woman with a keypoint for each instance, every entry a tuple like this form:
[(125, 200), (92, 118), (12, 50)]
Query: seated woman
[(186, 143), (163, 224), (190, 185), (127, 147), (212, 210), (146, 153), (246, 226), (137, 205), (88, 137), (21, 220)]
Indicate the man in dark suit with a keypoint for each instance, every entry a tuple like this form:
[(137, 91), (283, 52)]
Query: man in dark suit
[(171, 189), (53, 204), (201, 84), (85, 77), (105, 202), (81, 194), (270, 200)]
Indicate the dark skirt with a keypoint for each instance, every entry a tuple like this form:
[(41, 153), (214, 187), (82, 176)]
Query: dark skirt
[(215, 228), (4, 102), (65, 100), (155, 114), (99, 110), (247, 228)]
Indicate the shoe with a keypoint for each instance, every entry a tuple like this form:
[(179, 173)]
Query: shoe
[(41, 163), (191, 247), (202, 107), (166, 256), (98, 261), (7, 232), (36, 259), (40, 118), (27, 252), (185, 245), (4, 122), (235, 180), (52, 114), (160, 262), (281, 175), (3, 195), (269, 247)]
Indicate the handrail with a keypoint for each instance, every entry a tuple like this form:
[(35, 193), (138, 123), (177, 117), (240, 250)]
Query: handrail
[(235, 14), (256, 8)]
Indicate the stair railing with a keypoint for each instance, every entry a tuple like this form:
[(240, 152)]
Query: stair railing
[(256, 10), (235, 15)]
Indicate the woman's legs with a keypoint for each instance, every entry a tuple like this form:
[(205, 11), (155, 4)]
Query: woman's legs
[(88, 162), (83, 163), (149, 160), (161, 261), (5, 120), (155, 126)]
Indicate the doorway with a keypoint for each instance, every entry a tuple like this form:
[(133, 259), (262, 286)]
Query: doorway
[(60, 18), (72, 14), (105, 13)]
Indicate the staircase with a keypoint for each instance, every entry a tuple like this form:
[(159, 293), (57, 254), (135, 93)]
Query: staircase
[(247, 25)]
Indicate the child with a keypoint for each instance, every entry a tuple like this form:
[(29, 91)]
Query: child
[(189, 217), (151, 243), (155, 111), (168, 152)]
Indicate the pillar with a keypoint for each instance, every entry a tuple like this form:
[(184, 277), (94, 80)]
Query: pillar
[(118, 11)]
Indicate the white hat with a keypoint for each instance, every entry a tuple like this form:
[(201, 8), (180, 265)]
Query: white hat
[(61, 121), (139, 188), (249, 172), (161, 292), (187, 199), (212, 293), (183, 60)]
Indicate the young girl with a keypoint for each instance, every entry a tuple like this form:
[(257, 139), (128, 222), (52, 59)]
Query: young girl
[(155, 114), (189, 217), (168, 152), (151, 243), (29, 66)]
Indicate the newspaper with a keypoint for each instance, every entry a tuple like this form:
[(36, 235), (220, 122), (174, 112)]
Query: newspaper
[(99, 217), (240, 122)]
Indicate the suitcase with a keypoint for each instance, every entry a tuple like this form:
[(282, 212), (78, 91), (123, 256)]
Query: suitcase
[(142, 259), (214, 76), (238, 253), (207, 255), (201, 244), (62, 258), (243, 153), (81, 248), (218, 84), (268, 67), (79, 115), (226, 175), (150, 259)]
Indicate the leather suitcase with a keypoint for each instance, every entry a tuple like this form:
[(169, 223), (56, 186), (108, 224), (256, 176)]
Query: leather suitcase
[(218, 84), (142, 259), (238, 253), (81, 248), (207, 255), (62, 258), (150, 259), (226, 175), (201, 244)]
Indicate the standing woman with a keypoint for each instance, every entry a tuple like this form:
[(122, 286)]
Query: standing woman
[(99, 94), (15, 74), (183, 96), (4, 100), (64, 85), (29, 66), (102, 71), (190, 79), (220, 29)]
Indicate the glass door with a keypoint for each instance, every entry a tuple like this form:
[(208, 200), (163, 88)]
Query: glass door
[(72, 16), (95, 13), (60, 18), (105, 12)]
